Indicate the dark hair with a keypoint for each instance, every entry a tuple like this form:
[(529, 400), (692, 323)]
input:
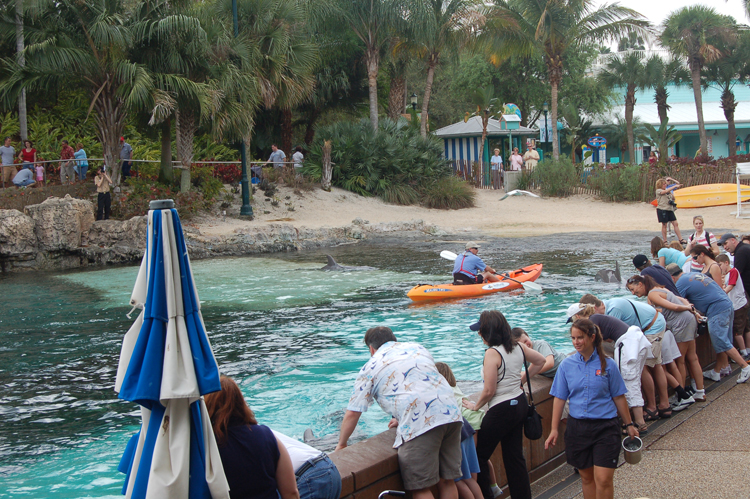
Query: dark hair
[(375, 337), (592, 331), (517, 332), (656, 245), (274, 145), (722, 258), (495, 330), (699, 249), (445, 371), (591, 300), (30, 142), (225, 406), (648, 282), (298, 148), (64, 141)]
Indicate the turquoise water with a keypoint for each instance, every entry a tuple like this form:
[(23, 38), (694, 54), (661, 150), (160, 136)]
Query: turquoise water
[(288, 333)]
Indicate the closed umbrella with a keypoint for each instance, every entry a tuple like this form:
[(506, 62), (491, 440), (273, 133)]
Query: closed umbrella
[(166, 366)]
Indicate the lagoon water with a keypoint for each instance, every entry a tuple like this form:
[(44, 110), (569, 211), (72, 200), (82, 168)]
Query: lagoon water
[(288, 333)]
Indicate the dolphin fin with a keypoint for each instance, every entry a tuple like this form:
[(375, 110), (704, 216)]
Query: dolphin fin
[(309, 435), (331, 261), (617, 272)]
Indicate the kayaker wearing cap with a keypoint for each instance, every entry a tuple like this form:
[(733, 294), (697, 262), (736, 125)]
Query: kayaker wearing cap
[(656, 272), (711, 300), (470, 269)]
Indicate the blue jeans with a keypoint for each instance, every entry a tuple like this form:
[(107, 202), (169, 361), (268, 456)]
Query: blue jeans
[(81, 171), (720, 329), (25, 182), (321, 481)]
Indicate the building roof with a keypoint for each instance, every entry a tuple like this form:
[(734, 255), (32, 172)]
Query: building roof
[(683, 115), (473, 128)]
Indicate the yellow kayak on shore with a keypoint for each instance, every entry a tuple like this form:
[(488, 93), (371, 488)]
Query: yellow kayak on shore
[(702, 196)]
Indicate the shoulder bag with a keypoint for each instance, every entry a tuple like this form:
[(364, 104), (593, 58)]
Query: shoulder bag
[(532, 425)]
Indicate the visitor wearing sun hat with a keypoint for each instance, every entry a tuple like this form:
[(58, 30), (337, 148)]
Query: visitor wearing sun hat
[(470, 269)]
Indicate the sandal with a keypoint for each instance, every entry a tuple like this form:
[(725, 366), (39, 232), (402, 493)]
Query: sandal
[(683, 242), (650, 415), (642, 430), (665, 413)]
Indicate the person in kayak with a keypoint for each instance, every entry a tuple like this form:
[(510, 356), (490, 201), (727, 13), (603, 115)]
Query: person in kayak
[(470, 269)]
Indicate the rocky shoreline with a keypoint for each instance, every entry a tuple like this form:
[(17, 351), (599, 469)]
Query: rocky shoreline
[(61, 234)]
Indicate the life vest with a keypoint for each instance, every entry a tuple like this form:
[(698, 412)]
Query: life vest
[(461, 268)]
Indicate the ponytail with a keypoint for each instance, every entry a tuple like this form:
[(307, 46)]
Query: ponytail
[(592, 331)]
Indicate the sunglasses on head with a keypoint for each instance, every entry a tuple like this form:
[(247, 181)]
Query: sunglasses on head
[(633, 280)]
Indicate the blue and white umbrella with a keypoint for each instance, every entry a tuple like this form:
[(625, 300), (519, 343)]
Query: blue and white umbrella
[(166, 366)]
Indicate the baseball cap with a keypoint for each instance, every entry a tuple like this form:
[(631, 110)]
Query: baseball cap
[(573, 310), (639, 261), (122, 139), (471, 244), (726, 237), (674, 269), (475, 326)]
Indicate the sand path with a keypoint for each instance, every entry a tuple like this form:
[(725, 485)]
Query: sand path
[(513, 217)]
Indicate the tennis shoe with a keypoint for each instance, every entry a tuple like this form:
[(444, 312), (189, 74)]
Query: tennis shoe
[(683, 404), (744, 375), (712, 375)]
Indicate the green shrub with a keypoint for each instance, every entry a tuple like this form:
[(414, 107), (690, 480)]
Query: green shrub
[(525, 180), (400, 194), (618, 183), (448, 193), (557, 178)]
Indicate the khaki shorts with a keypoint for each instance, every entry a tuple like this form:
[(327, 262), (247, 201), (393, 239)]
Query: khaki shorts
[(740, 324), (430, 456), (655, 340)]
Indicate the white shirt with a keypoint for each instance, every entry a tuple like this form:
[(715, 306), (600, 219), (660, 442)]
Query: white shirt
[(297, 157), (299, 452)]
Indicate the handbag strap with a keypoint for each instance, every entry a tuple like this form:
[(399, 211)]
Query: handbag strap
[(528, 378)]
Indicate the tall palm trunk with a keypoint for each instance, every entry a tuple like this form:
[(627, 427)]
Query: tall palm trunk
[(165, 171), (427, 93), (396, 96), (185, 126), (286, 131), (553, 113), (373, 63), (629, 107), (660, 98), (695, 75), (728, 104), (110, 123), (310, 127), (22, 117)]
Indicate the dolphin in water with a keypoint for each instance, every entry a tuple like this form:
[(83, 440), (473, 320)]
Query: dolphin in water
[(332, 265), (608, 275)]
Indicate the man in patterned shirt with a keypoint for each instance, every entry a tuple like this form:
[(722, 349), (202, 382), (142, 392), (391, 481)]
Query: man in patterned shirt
[(403, 379)]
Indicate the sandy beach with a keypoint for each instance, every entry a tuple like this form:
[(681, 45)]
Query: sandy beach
[(516, 216)]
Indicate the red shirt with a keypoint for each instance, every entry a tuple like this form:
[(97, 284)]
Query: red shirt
[(66, 153), (28, 156)]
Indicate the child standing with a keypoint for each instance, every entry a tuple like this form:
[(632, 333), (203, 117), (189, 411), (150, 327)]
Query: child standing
[(736, 292), (467, 485), (39, 175)]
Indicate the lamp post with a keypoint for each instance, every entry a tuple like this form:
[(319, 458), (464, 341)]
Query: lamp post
[(413, 101), (545, 108), (246, 209)]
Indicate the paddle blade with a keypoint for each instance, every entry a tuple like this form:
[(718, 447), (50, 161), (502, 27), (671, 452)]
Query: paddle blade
[(448, 255), (531, 287)]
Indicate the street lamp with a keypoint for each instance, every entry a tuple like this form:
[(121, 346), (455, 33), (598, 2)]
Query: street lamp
[(545, 108), (413, 101), (246, 209)]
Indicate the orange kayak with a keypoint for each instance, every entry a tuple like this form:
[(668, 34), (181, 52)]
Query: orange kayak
[(424, 292)]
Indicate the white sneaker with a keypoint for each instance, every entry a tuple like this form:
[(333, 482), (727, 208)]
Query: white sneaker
[(497, 491), (683, 404), (744, 375), (725, 371), (699, 395), (712, 375)]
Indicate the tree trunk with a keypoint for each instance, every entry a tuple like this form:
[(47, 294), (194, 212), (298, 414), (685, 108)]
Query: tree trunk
[(660, 97), (22, 117), (396, 97), (185, 127), (427, 93), (286, 132), (553, 113), (728, 104), (165, 168), (373, 61), (327, 169), (629, 106), (310, 129), (110, 123), (695, 75)]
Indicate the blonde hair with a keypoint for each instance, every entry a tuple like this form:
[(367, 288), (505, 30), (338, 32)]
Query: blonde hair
[(661, 183), (587, 311), (676, 245), (698, 217), (445, 372)]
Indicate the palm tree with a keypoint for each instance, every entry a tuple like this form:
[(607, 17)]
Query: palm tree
[(553, 27), (84, 44), (696, 33), (723, 75), (617, 134), (627, 70), (661, 138), (579, 127), (630, 42), (488, 106), (437, 28), (22, 117), (660, 74), (372, 22)]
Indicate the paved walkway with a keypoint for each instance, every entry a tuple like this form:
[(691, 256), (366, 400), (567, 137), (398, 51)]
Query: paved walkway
[(698, 453)]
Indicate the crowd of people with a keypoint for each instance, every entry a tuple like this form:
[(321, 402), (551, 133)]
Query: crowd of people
[(517, 162)]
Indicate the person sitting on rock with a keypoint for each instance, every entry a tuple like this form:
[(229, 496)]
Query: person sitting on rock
[(470, 269)]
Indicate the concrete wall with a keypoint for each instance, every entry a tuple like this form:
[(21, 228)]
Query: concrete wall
[(369, 467)]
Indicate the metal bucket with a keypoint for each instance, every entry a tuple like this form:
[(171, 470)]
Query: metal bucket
[(633, 448)]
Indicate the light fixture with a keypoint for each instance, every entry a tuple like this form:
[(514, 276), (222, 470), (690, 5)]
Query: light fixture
[(545, 107), (413, 101)]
